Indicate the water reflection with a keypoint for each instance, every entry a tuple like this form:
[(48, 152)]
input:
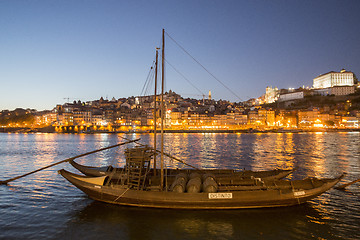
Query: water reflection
[(315, 154), (285, 150), (273, 151), (44, 205), (301, 222)]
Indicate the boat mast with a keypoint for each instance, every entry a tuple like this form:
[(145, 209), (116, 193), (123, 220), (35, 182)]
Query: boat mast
[(162, 111), (155, 96)]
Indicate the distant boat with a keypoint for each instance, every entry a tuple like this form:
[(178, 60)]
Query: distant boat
[(141, 184)]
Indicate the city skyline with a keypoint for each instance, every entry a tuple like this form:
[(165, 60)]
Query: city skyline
[(84, 50)]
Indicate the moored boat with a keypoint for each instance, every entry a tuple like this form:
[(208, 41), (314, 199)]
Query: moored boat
[(258, 194)]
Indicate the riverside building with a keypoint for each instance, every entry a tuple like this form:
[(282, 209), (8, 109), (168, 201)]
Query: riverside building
[(334, 79)]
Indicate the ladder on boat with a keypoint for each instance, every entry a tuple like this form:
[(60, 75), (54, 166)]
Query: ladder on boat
[(137, 166)]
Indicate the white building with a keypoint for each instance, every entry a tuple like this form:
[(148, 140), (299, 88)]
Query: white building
[(291, 96), (332, 79)]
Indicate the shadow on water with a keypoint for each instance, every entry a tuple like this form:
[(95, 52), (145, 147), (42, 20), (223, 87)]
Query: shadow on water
[(98, 220)]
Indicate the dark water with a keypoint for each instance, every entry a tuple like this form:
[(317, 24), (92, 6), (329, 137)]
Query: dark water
[(46, 206)]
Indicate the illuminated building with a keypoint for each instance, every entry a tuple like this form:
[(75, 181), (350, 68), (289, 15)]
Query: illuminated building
[(261, 117), (234, 118), (82, 117), (68, 119), (97, 119), (253, 117), (271, 94), (270, 118), (333, 79), (308, 118), (350, 122)]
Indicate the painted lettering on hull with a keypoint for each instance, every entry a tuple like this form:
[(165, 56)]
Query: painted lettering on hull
[(220, 195), (298, 194)]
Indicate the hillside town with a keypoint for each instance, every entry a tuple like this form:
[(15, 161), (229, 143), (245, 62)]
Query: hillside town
[(333, 102)]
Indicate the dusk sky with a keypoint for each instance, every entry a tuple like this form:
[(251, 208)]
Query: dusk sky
[(84, 50)]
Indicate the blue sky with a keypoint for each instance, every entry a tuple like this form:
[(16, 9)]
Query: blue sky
[(84, 50)]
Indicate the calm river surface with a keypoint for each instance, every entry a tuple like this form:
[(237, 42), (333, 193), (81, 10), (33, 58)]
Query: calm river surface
[(45, 206)]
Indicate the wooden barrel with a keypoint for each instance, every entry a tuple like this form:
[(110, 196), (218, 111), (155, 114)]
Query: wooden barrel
[(179, 185), (194, 184), (209, 185), (207, 175)]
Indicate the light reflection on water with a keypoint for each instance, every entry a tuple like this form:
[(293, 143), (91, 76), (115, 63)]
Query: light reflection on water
[(44, 205), (115, 221)]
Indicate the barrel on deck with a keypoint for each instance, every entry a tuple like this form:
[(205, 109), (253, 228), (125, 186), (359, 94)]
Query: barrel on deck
[(194, 184), (209, 184), (179, 185)]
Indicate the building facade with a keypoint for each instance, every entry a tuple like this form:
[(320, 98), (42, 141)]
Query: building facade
[(291, 96), (345, 90), (333, 79), (271, 94)]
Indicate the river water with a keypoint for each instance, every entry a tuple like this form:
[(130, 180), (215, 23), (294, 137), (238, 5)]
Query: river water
[(45, 206)]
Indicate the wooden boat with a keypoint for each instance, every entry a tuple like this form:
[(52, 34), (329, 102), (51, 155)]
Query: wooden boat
[(196, 190), (140, 185), (254, 193), (118, 173)]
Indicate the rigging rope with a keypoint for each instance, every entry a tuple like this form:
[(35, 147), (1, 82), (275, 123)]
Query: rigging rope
[(148, 80), (149, 85), (185, 78), (203, 67)]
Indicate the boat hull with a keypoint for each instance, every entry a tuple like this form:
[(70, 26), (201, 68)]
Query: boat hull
[(271, 197)]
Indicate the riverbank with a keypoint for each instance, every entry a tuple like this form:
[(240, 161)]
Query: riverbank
[(48, 129), (51, 129)]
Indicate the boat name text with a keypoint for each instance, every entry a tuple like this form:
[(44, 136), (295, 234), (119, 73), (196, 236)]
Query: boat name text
[(297, 194), (220, 195)]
